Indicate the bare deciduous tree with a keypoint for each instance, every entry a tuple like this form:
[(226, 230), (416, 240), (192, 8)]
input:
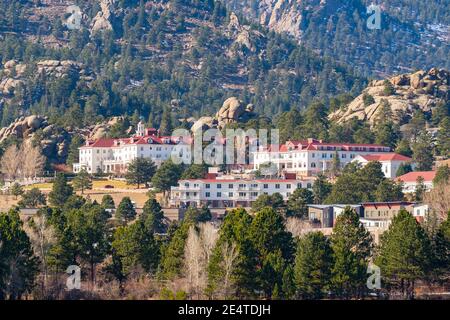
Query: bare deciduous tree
[(438, 200), (11, 163), (42, 236), (230, 254), (32, 160), (198, 249), (298, 227), (26, 162)]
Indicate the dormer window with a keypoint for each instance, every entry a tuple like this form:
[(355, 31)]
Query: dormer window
[(150, 140)]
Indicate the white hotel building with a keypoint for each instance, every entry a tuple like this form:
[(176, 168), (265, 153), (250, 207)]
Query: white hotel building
[(114, 155), (310, 157), (231, 193)]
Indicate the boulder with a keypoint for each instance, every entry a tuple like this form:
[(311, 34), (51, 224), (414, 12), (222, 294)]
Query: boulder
[(204, 123), (416, 79)]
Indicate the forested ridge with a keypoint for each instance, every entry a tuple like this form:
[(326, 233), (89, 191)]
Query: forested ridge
[(188, 56), (413, 34)]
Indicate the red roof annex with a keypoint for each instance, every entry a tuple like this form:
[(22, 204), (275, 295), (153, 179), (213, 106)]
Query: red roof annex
[(427, 176)]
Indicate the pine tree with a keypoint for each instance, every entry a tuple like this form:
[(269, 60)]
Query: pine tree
[(313, 264), (61, 191), (82, 181), (404, 253), (108, 202), (135, 246), (321, 189), (172, 260), (232, 265), (420, 189), (352, 246), (442, 175), (125, 211), (153, 216), (273, 246), (18, 265), (423, 152), (32, 199), (166, 127), (166, 176), (16, 190), (140, 171), (388, 190), (297, 204)]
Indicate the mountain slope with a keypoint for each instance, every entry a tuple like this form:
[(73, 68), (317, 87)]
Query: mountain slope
[(422, 91), (141, 57), (414, 34)]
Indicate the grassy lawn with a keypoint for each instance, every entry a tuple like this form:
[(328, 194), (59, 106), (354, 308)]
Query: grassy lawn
[(97, 184), (119, 191)]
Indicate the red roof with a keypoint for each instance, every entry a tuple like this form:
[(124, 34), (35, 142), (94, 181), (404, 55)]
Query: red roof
[(108, 143), (313, 144), (244, 180), (427, 176), (386, 157)]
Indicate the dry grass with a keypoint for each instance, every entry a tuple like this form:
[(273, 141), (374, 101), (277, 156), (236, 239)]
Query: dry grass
[(120, 190)]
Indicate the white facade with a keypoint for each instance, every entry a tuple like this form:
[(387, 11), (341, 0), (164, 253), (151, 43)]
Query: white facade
[(390, 162), (310, 157), (220, 193), (114, 155), (420, 210), (409, 180)]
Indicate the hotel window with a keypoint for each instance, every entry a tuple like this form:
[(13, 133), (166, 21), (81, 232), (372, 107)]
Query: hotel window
[(219, 186), (313, 155), (207, 194), (277, 186), (288, 194), (219, 194), (254, 194), (208, 186), (299, 185), (241, 194), (230, 194), (313, 164), (288, 186), (186, 184), (230, 186), (266, 186)]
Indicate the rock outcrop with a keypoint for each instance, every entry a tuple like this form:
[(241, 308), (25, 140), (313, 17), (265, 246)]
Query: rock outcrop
[(103, 20), (420, 90), (282, 16), (243, 36), (232, 111), (53, 139), (13, 73)]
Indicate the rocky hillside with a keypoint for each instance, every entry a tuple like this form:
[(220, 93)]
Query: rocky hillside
[(414, 34), (137, 57), (422, 90)]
